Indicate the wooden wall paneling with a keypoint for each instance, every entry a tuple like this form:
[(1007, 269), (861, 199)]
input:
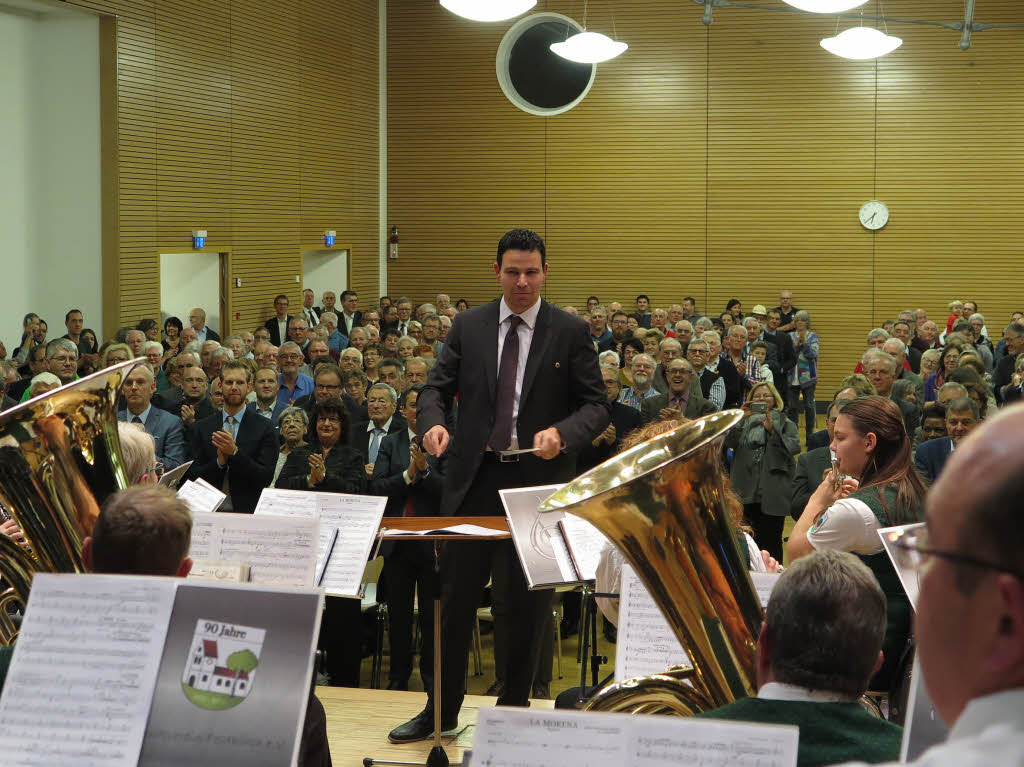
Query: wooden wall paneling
[(790, 162)]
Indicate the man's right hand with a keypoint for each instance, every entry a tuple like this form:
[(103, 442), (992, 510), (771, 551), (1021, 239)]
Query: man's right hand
[(435, 441), (188, 415)]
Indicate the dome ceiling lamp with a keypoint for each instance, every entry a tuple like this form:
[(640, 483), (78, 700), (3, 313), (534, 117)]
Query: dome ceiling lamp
[(824, 6), (862, 42), (488, 10), (589, 47)]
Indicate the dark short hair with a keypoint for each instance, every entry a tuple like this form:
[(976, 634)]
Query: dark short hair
[(826, 621), (146, 324), (392, 362), (173, 322), (522, 239), (327, 367), (346, 293), (143, 530), (70, 312), (330, 406), (643, 296), (235, 365), (390, 332), (414, 389), (962, 405), (934, 409), (619, 314), (279, 296), (691, 299)]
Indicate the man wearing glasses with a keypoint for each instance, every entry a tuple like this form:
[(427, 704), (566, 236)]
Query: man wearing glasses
[(293, 383), (681, 400), (970, 612)]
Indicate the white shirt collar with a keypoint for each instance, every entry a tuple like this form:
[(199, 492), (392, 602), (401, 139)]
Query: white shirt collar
[(387, 425), (529, 316), (412, 435), (791, 692), (987, 711)]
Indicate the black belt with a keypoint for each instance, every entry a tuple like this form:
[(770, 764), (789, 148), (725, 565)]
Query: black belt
[(494, 457)]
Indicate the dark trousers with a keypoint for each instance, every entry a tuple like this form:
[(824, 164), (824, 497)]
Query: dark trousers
[(767, 529), (341, 639), (465, 569), (410, 566), (499, 609), (794, 408)]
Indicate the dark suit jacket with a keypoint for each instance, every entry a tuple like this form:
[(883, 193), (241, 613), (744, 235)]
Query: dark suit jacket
[(211, 334), (562, 387), (275, 333), (625, 419), (279, 407), (344, 470), (914, 358), (357, 320), (733, 383), (167, 432), (931, 457), (359, 437), (786, 354), (818, 439), (696, 406), (1003, 374), (809, 469), (249, 470), (911, 415)]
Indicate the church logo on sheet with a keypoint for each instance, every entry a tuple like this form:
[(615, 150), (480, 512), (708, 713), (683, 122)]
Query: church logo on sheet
[(222, 664)]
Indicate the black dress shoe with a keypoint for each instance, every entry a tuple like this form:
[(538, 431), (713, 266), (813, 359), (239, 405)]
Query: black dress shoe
[(420, 727), (568, 628), (398, 684)]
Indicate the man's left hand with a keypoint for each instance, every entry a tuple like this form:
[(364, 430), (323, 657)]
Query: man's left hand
[(225, 445), (547, 443)]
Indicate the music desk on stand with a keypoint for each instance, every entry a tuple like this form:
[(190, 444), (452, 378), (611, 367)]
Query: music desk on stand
[(437, 756)]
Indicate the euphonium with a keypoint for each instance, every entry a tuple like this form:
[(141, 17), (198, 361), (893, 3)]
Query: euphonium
[(662, 505), (60, 457)]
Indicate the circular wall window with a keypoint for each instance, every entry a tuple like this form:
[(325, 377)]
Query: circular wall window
[(532, 76)]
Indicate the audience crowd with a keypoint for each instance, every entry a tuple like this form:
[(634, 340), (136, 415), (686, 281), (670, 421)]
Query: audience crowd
[(324, 397)]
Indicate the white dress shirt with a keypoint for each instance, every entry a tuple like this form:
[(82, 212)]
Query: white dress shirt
[(525, 333)]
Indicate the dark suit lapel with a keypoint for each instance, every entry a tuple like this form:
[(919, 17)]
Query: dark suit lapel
[(538, 345), (489, 354)]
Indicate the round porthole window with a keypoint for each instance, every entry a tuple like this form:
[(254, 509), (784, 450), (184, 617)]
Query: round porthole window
[(532, 76)]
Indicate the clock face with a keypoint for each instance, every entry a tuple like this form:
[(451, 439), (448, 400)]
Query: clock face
[(874, 214)]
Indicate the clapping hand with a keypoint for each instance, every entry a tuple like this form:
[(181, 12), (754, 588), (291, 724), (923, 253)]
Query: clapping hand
[(317, 469)]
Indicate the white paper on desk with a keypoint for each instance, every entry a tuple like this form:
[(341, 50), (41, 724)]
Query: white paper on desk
[(84, 670), (280, 551), (356, 519), (450, 530), (173, 477), (585, 543), (645, 643), (909, 576), (764, 583), (201, 496), (507, 737)]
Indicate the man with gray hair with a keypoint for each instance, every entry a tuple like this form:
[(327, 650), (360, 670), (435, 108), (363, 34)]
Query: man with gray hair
[(897, 349), (820, 644), (294, 384), (197, 321), (336, 340), (166, 430), (642, 368), (218, 357), (881, 368), (381, 402), (62, 356), (712, 385)]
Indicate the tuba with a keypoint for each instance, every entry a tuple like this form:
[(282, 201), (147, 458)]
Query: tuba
[(60, 457), (662, 504)]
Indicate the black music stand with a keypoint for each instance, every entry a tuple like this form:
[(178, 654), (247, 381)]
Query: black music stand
[(438, 757)]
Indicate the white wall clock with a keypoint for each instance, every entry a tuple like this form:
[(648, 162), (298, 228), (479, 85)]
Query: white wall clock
[(874, 214)]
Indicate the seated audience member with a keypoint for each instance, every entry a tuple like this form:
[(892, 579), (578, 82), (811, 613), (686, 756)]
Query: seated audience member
[(153, 352), (267, 404), (948, 361), (1000, 350), (812, 466), (381, 403), (878, 487), (167, 430), (904, 390), (680, 401), (764, 445), (933, 424), (600, 334), (8, 374), (930, 360), (292, 425), (712, 385), (668, 350), (293, 384), (818, 648), (642, 388), (950, 391), (62, 361), (1014, 391), (37, 363), (895, 348), (40, 384), (234, 450), (355, 384), (961, 418), (195, 403), (881, 371), (412, 480), (652, 342), (624, 419), (139, 453), (969, 622), (416, 370), (903, 330), (927, 337), (115, 353)]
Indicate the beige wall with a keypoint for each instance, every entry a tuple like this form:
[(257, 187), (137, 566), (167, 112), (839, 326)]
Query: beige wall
[(719, 162), (256, 121)]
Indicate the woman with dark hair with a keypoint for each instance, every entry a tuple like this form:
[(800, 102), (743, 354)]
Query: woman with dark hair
[(327, 463), (878, 486), (735, 308), (630, 348), (172, 337), (461, 305), (947, 364), (88, 343), (150, 327)]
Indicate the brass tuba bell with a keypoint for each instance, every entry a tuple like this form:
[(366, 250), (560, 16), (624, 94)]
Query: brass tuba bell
[(662, 504), (60, 457)]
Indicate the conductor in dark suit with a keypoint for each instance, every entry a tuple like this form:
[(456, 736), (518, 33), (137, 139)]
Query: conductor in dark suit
[(527, 376), (961, 419), (235, 450), (412, 481)]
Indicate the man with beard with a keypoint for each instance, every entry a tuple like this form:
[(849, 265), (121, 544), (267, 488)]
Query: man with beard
[(643, 379)]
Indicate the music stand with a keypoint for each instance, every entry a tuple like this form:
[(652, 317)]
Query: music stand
[(437, 757)]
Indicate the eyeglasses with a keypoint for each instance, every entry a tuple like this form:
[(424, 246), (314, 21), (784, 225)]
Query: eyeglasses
[(330, 387), (329, 420), (913, 545)]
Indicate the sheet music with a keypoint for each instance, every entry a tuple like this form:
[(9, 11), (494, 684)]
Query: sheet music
[(356, 519), (763, 584), (909, 576), (646, 644), (450, 530), (280, 551), (84, 671), (201, 496), (508, 737), (172, 478), (225, 572), (585, 543)]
